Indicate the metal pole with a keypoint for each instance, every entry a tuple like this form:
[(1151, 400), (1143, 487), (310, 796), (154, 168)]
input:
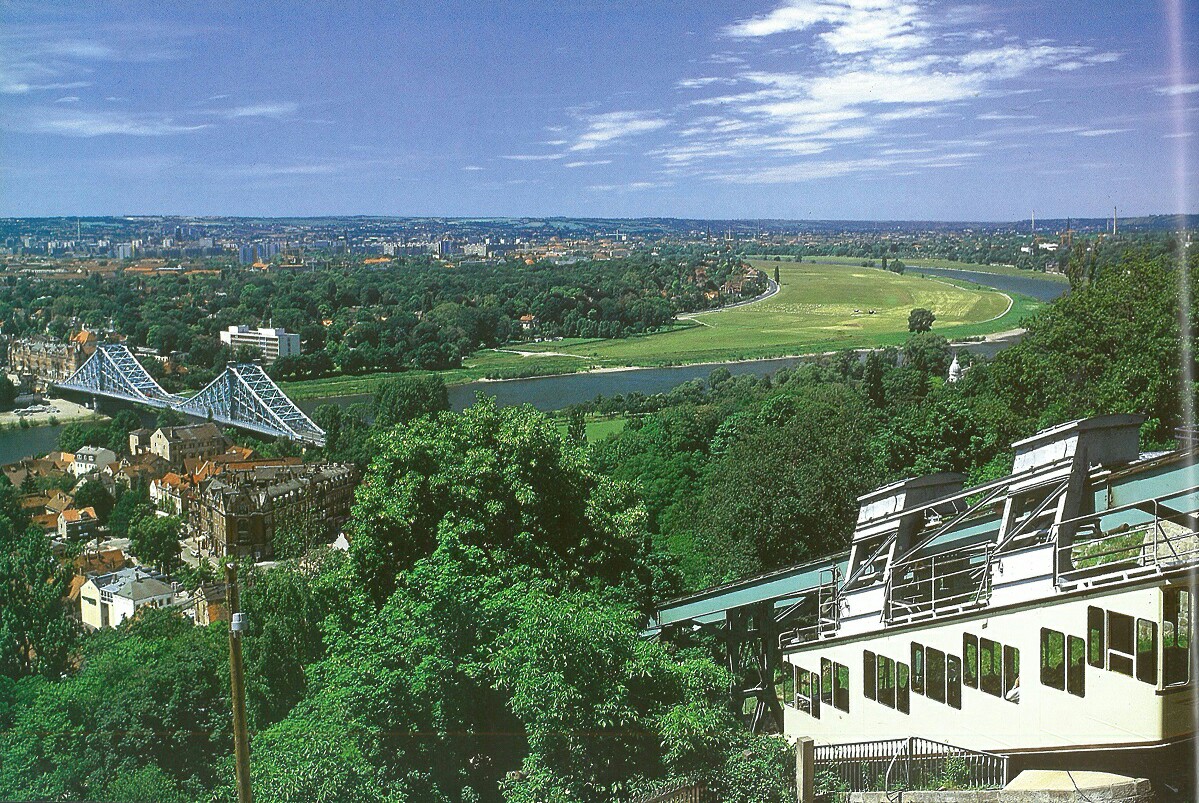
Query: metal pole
[(241, 738)]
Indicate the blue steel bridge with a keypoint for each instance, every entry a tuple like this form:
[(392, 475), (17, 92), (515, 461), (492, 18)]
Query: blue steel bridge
[(243, 396)]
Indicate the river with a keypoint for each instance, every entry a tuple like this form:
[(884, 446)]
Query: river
[(556, 392)]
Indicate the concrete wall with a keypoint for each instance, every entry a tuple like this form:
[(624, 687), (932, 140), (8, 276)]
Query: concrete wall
[(1131, 791)]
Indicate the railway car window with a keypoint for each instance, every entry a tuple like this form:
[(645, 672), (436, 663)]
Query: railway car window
[(1076, 666), (1176, 636), (990, 667), (841, 689), (1147, 651), (886, 681), (970, 660), (902, 688), (785, 688), (953, 681), (868, 659), (1011, 674), (1120, 642), (1053, 659), (826, 681), (935, 683), (808, 697), (1095, 644), (917, 668)]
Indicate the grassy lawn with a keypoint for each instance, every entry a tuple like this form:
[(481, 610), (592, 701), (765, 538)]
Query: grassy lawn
[(946, 264), (599, 428), (820, 307)]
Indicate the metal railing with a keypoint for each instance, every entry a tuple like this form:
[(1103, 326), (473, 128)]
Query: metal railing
[(692, 793), (1130, 548), (912, 763), (939, 584)]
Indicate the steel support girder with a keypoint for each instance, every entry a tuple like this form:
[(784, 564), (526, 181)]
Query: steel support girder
[(243, 396)]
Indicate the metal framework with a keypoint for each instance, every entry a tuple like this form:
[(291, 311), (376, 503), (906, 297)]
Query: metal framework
[(243, 396)]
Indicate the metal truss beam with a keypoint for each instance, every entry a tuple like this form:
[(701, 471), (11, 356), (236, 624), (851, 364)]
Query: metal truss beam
[(243, 396)]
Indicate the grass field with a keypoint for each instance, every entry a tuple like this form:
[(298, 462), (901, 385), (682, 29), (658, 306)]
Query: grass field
[(947, 264), (599, 428), (820, 307)]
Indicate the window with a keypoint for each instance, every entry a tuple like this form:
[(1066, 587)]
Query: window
[(902, 688), (953, 681), (826, 681), (1053, 659), (1176, 636), (970, 660), (1011, 674), (886, 681), (1120, 642), (917, 668), (1095, 643), (785, 688), (935, 683), (841, 696), (1076, 666), (1147, 651), (807, 697), (868, 675), (990, 667)]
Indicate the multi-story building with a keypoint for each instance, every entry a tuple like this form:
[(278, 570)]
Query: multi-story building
[(177, 444), (106, 600), (40, 361), (77, 525), (91, 458), (269, 342), (240, 511)]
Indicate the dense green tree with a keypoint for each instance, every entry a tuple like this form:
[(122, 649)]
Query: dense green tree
[(928, 354), (131, 504), (93, 494), (155, 541), (509, 484), (787, 489), (405, 397), (921, 320), (36, 635), (576, 426), (146, 715), (8, 392), (283, 636)]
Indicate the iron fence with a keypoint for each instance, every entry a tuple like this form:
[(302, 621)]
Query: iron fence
[(912, 763)]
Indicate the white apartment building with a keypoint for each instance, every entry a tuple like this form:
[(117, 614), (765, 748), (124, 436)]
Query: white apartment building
[(91, 458), (270, 343)]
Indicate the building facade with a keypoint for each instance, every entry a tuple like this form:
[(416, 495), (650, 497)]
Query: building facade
[(40, 361), (91, 458), (106, 600), (178, 444), (245, 512), (270, 343)]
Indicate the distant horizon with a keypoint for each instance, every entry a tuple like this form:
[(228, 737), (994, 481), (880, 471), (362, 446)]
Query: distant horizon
[(1132, 218), (785, 109)]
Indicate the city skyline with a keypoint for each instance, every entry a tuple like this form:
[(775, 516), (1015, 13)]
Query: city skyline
[(827, 109)]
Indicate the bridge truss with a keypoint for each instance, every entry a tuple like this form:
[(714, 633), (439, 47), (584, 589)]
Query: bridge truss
[(243, 396)]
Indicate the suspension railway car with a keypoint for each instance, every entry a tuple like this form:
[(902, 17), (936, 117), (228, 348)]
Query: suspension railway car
[(1047, 615)]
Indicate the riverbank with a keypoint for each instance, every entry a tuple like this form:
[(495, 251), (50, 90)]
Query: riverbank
[(61, 412)]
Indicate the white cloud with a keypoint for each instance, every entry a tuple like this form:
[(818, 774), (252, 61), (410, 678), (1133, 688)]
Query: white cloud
[(79, 123), (473, 168), (605, 129), (68, 99), (1179, 89), (275, 109), (591, 163), (533, 157)]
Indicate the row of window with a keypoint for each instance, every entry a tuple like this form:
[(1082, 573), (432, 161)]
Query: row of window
[(1115, 641), (830, 687)]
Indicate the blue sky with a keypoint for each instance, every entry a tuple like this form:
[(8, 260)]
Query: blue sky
[(845, 109)]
